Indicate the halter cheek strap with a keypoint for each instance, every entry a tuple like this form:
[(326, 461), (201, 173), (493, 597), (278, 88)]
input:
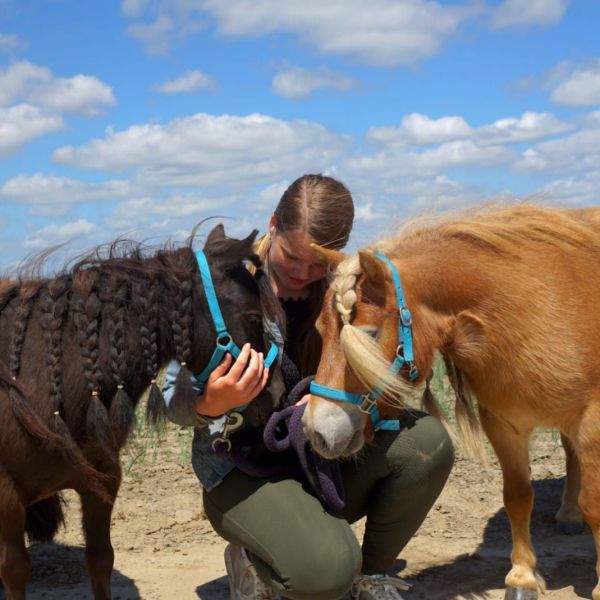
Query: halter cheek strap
[(367, 403), (224, 342)]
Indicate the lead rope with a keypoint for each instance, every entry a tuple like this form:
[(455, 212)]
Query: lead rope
[(283, 432)]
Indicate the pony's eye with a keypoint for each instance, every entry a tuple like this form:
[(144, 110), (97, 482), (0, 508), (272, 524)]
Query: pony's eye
[(254, 319), (370, 331)]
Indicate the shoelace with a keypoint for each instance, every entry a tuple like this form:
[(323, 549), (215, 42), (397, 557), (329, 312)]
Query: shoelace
[(265, 592), (381, 586)]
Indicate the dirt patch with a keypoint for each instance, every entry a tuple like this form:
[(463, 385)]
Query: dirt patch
[(165, 549)]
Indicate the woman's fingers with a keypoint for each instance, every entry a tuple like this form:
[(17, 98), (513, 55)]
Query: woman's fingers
[(221, 368), (253, 372), (240, 363), (303, 400), (260, 384)]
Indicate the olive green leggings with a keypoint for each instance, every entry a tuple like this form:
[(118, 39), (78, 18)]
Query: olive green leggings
[(304, 551)]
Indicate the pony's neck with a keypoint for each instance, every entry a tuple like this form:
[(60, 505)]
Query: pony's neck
[(441, 276)]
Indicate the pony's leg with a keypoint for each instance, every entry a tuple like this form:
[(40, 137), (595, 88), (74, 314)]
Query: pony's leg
[(568, 517), (99, 554), (512, 450), (588, 447), (15, 562)]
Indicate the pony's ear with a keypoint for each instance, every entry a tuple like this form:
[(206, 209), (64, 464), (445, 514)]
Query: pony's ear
[(229, 250), (330, 257), (217, 233), (375, 285), (465, 340)]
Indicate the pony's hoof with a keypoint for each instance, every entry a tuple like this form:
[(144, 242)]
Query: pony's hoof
[(568, 527), (519, 594)]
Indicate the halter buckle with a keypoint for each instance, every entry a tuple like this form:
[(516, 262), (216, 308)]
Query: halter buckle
[(405, 316), (413, 372), (367, 404)]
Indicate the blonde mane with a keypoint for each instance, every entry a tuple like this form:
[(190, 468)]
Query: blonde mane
[(502, 229), (362, 352)]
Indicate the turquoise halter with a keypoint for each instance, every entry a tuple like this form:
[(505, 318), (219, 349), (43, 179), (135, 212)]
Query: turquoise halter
[(224, 342), (404, 355)]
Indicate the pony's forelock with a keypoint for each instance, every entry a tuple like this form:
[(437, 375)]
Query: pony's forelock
[(372, 368), (362, 352)]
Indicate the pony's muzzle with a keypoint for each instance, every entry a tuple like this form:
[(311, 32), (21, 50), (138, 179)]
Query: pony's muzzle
[(333, 430)]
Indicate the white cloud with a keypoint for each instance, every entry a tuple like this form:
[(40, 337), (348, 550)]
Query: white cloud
[(40, 189), (155, 37), (581, 88), (462, 153), (420, 130), (366, 212), (381, 32), (530, 126), (524, 13), (186, 83), (133, 8), (79, 94), (10, 42), (22, 123), (576, 191), (24, 81), (211, 150), (57, 234), (297, 82), (579, 152)]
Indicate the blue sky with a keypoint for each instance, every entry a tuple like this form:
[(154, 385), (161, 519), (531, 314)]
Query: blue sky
[(142, 117)]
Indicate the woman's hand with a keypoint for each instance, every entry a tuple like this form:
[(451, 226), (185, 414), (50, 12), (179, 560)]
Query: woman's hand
[(303, 400), (230, 386)]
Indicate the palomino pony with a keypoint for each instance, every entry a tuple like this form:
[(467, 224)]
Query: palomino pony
[(509, 296), (76, 353)]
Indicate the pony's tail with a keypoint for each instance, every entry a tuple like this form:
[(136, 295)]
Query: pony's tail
[(466, 418), (58, 439), (44, 518), (24, 412), (430, 404)]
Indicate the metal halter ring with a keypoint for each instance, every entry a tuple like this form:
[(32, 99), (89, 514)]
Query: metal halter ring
[(224, 340), (367, 404)]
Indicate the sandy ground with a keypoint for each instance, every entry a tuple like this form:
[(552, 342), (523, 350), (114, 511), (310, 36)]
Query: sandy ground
[(165, 549)]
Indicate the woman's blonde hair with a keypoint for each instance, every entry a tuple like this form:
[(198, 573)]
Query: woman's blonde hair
[(321, 206)]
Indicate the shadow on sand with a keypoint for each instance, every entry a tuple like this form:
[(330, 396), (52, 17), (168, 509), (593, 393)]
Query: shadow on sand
[(562, 560), (58, 572)]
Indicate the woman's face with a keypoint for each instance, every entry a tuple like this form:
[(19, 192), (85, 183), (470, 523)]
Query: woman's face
[(293, 262)]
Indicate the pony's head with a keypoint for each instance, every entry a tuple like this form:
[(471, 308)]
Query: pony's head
[(245, 300), (359, 324)]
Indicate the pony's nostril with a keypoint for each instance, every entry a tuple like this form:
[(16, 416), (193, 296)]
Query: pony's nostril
[(319, 442)]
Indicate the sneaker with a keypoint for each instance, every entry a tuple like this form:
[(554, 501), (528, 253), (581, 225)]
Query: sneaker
[(244, 583), (377, 587)]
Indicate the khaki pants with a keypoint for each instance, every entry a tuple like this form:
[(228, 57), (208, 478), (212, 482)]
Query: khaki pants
[(304, 551)]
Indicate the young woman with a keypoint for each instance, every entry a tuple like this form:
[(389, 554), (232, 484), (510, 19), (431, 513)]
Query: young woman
[(283, 542)]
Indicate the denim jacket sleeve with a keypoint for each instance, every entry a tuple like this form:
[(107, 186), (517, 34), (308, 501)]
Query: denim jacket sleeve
[(183, 413), (209, 468)]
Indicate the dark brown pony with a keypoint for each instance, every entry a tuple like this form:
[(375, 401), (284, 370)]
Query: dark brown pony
[(76, 353), (510, 296)]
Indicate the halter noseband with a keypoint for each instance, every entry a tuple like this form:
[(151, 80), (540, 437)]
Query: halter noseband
[(404, 355), (224, 341)]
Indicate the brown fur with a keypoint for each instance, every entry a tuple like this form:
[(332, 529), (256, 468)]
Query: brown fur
[(510, 296), (76, 353)]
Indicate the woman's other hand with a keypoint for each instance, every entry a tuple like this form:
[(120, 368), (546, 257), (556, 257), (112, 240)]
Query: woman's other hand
[(303, 400), (233, 385)]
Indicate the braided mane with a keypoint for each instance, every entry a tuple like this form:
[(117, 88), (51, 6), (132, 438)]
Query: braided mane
[(362, 352)]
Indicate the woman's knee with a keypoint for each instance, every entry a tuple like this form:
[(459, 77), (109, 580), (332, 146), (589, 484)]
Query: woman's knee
[(423, 451), (326, 573)]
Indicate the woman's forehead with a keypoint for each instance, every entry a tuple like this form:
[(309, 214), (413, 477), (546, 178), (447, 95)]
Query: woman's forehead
[(298, 242)]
